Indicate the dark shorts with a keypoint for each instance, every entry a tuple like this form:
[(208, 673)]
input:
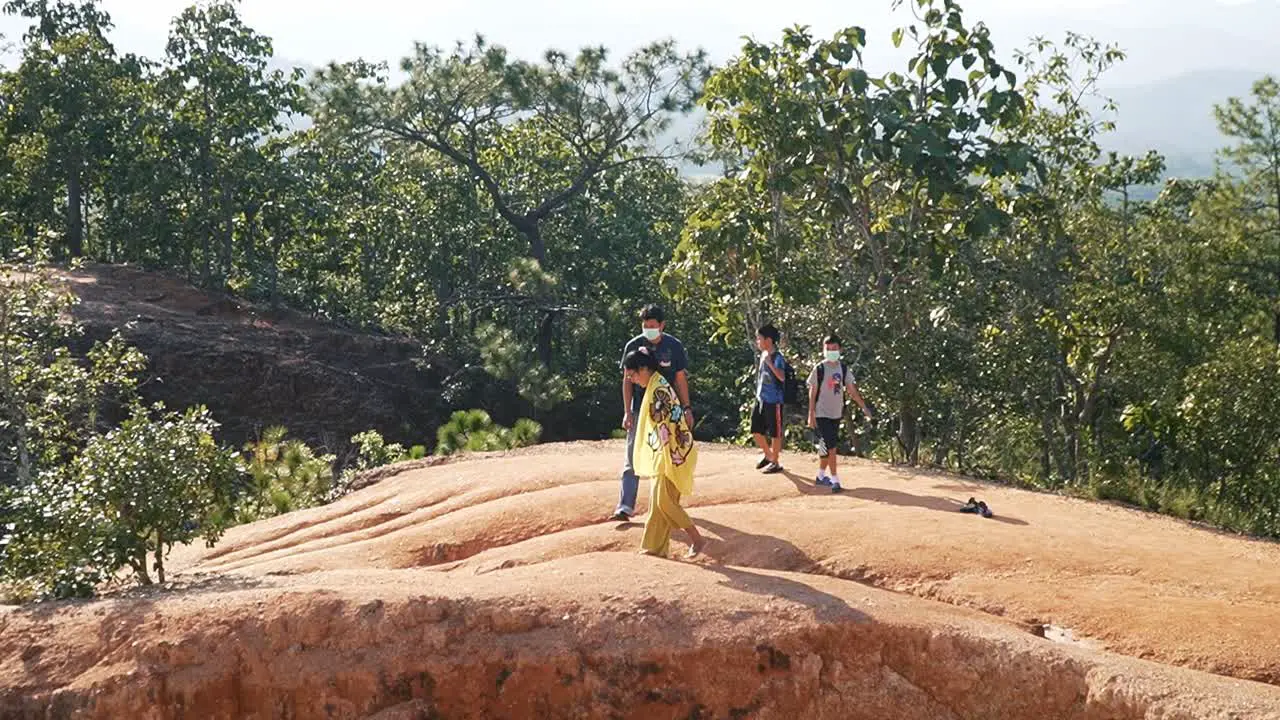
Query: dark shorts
[(766, 419), (829, 431)]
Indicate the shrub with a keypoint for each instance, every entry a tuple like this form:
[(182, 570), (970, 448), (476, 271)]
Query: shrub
[(373, 452), (133, 494), (283, 475), (475, 431)]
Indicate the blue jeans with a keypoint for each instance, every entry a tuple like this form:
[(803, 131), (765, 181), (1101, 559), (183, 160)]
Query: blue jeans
[(630, 481)]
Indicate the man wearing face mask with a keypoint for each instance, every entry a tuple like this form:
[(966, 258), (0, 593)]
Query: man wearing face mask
[(673, 364)]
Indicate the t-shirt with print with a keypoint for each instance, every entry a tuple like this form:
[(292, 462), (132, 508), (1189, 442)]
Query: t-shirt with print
[(830, 402), (671, 360), (769, 389)]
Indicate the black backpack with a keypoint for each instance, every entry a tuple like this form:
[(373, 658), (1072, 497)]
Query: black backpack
[(790, 385)]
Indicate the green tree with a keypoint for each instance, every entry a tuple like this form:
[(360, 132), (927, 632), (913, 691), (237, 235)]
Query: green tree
[(1251, 193), (51, 402), (153, 483), (226, 101), (64, 114), (282, 475), (480, 110), (870, 177)]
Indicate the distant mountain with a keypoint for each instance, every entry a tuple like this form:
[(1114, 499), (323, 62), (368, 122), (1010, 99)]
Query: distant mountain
[(1175, 116)]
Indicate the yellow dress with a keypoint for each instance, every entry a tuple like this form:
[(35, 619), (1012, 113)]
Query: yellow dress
[(664, 451)]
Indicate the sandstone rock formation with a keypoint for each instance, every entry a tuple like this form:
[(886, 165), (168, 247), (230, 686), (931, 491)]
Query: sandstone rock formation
[(489, 588)]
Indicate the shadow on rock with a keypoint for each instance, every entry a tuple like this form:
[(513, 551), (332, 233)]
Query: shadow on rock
[(805, 486), (826, 607), (928, 502), (735, 547)]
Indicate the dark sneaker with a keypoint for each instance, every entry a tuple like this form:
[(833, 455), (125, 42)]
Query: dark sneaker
[(822, 481), (764, 463), (620, 516), (970, 507), (835, 488), (772, 468)]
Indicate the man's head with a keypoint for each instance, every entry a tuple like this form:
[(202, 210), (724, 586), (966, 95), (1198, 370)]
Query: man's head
[(767, 338), (831, 349), (652, 322)]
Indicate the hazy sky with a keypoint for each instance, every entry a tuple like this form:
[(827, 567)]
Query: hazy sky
[(1164, 37)]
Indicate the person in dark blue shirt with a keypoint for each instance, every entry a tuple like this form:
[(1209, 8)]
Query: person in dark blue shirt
[(673, 364), (766, 416)]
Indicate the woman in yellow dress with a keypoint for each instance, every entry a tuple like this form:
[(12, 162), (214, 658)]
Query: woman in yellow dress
[(664, 451)]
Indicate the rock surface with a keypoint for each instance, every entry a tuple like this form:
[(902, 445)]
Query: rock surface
[(255, 366), (488, 588)]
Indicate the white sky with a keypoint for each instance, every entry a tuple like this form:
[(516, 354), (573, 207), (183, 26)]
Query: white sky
[(1164, 37)]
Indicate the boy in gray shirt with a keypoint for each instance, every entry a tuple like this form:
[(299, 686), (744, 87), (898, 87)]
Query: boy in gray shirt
[(827, 385)]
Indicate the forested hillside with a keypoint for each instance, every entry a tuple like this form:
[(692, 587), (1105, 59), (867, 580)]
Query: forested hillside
[(1008, 303)]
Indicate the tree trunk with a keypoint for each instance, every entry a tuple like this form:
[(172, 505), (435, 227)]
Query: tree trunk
[(909, 434), (274, 279), (228, 231), (1046, 445), (206, 229), (537, 248), (250, 251), (75, 201), (113, 249), (160, 556), (139, 564), (546, 335), (538, 251)]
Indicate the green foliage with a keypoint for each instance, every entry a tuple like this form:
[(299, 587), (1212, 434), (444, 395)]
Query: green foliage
[(51, 401), (282, 475), (133, 493), (374, 452), (475, 431), (1013, 298)]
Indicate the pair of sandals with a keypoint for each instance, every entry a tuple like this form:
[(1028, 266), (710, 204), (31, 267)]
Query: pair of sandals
[(976, 507)]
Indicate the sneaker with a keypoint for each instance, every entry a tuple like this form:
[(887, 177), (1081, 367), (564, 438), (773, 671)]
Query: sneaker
[(835, 488), (620, 516), (764, 463), (823, 481), (772, 468)]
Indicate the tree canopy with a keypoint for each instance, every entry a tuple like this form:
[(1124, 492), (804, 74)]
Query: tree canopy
[(1008, 300)]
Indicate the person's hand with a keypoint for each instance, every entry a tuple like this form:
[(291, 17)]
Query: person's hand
[(688, 413), (813, 422), (764, 355), (628, 420)]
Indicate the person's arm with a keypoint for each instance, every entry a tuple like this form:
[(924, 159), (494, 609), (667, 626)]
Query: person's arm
[(627, 389), (681, 361), (774, 363), (813, 400), (682, 390), (627, 417), (857, 398)]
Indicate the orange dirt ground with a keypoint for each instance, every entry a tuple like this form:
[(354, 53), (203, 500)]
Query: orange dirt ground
[(489, 587)]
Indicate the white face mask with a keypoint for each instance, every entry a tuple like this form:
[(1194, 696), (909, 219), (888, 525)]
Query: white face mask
[(831, 355), (651, 334)]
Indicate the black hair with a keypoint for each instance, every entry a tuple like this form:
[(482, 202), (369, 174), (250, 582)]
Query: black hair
[(832, 339), (653, 312), (640, 360), (770, 332)]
